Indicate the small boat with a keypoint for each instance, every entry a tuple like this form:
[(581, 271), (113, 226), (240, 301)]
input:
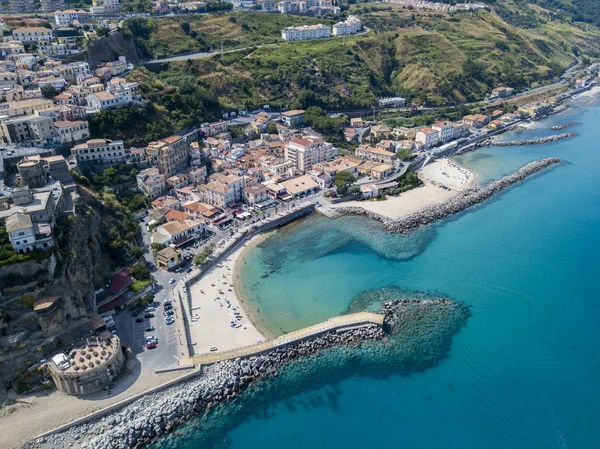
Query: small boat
[(268, 262), (213, 349)]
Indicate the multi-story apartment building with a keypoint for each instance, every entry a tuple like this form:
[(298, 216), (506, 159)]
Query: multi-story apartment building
[(70, 16), (350, 26), (33, 34), (17, 93), (105, 7), (151, 182), (124, 91), (308, 151), (169, 154), (12, 48), (101, 100), (445, 131), (293, 118), (222, 190), (71, 132), (100, 152), (21, 6), (25, 107), (375, 154), (8, 79), (52, 5), (427, 137), (305, 32), (26, 128)]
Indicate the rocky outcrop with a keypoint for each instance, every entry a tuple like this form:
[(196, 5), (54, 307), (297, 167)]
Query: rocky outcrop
[(109, 48), (457, 203), (563, 126), (541, 140)]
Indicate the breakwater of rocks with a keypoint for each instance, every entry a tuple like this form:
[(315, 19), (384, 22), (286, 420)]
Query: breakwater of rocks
[(155, 415), (541, 140), (455, 204), (563, 126)]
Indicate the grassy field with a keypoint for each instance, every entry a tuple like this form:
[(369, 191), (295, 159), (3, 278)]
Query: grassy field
[(168, 36)]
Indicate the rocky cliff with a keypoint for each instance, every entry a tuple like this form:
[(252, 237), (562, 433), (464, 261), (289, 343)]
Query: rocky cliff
[(28, 336), (109, 48)]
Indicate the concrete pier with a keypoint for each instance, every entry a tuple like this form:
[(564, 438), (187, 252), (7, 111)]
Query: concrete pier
[(332, 324)]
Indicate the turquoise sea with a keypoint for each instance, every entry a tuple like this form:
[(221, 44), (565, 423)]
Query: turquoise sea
[(524, 372)]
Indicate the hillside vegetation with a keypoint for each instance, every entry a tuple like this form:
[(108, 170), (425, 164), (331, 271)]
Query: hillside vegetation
[(168, 36), (428, 58)]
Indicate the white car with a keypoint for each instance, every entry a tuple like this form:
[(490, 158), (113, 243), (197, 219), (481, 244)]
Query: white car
[(172, 281)]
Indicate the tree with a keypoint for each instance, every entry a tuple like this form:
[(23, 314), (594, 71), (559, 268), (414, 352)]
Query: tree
[(102, 31), (205, 254), (185, 27), (156, 247), (136, 252), (272, 128), (342, 180), (140, 272)]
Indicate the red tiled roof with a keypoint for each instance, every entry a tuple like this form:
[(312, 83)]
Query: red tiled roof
[(119, 282)]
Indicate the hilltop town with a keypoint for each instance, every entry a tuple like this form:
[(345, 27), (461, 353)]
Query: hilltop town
[(97, 235)]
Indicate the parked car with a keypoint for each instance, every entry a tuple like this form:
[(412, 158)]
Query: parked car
[(149, 328), (149, 315), (169, 320), (167, 302), (189, 270), (172, 281), (149, 309), (139, 320), (150, 345)]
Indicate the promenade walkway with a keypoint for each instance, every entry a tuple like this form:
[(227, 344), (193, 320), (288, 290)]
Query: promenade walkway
[(338, 322)]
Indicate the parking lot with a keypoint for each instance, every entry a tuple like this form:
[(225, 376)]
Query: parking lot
[(132, 330)]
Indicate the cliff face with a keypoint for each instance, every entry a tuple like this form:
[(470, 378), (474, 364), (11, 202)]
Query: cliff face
[(109, 48), (27, 336)]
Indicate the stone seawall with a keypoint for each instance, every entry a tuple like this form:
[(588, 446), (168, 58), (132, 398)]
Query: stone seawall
[(541, 140), (156, 414), (457, 203)]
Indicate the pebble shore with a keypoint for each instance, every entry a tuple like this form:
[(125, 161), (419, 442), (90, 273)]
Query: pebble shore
[(457, 203)]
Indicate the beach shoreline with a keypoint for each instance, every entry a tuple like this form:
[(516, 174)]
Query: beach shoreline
[(243, 299), (219, 316), (441, 172)]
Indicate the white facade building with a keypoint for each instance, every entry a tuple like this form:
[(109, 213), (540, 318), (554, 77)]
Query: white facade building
[(100, 151), (305, 33), (308, 151), (351, 25), (69, 16)]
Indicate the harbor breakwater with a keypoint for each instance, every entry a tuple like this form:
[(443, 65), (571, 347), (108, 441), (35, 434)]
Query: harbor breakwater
[(156, 415), (540, 141), (457, 203), (563, 126)]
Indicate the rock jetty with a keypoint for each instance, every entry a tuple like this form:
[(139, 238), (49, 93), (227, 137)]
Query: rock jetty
[(152, 416), (563, 126), (541, 140), (457, 203)]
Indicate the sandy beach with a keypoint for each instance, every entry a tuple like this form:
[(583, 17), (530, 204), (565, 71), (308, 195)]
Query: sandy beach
[(455, 178), (219, 318)]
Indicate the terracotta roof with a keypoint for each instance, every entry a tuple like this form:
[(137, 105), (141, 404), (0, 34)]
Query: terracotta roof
[(176, 215), (119, 282)]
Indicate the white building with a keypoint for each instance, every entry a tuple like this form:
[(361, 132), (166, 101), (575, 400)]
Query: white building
[(100, 151), (445, 131), (308, 151), (26, 236), (33, 34), (351, 25), (71, 132), (101, 100), (427, 137), (305, 32), (69, 16), (151, 182), (105, 7)]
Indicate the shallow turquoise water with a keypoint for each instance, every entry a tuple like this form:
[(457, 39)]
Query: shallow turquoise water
[(524, 371)]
